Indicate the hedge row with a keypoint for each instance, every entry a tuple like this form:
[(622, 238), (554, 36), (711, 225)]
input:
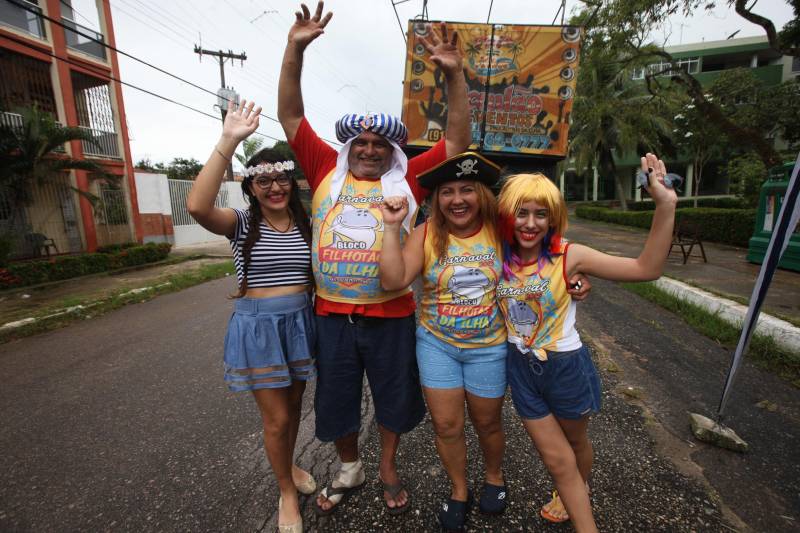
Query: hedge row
[(716, 203), (71, 266), (727, 226)]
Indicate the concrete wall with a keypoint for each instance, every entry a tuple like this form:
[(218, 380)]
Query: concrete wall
[(155, 211)]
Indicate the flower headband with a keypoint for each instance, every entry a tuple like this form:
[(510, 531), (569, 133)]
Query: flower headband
[(268, 168)]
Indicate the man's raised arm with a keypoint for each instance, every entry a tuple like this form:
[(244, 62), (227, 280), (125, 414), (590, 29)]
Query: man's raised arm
[(305, 29), (446, 55)]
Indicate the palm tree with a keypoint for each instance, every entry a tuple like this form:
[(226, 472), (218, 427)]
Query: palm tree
[(515, 48), (32, 156), (250, 147), (613, 114)]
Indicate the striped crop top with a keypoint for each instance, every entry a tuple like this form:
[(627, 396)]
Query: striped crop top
[(277, 259)]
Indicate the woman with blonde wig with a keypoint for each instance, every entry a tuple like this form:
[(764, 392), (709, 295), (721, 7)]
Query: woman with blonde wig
[(554, 384)]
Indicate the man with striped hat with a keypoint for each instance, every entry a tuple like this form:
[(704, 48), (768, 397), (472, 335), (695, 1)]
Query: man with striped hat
[(361, 327)]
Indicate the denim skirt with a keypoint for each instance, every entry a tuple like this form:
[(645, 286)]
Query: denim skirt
[(269, 342)]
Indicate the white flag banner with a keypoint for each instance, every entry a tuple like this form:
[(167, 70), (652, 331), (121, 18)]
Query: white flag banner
[(781, 233)]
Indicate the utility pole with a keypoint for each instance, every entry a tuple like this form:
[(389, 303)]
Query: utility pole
[(222, 57)]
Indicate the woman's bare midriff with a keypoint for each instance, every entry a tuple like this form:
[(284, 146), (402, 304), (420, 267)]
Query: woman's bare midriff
[(271, 292)]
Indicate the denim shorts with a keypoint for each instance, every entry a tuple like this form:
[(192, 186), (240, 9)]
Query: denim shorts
[(347, 347), (481, 370), (269, 342), (566, 385)]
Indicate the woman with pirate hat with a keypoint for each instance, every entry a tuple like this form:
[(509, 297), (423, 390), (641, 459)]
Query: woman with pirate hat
[(554, 385), (461, 339), (270, 337)]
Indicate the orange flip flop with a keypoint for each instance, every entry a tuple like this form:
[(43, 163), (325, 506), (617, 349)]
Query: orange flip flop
[(547, 515)]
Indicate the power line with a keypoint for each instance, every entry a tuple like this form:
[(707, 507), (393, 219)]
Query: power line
[(112, 78), (142, 61), (394, 6), (326, 63), (180, 30)]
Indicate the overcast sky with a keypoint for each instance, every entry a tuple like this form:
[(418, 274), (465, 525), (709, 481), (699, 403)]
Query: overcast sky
[(357, 65)]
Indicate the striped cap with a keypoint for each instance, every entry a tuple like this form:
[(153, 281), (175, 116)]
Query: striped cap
[(352, 125)]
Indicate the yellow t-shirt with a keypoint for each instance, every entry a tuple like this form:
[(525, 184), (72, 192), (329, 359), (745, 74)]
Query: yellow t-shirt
[(347, 239), (539, 312), (458, 298)]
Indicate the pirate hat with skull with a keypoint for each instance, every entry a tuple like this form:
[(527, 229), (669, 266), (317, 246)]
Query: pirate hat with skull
[(467, 166)]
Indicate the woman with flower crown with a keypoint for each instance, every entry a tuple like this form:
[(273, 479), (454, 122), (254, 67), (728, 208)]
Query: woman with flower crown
[(270, 337)]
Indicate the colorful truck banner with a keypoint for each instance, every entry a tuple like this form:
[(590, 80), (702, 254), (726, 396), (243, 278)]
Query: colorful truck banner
[(521, 82)]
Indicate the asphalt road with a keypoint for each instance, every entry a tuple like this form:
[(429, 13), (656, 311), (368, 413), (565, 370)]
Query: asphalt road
[(123, 423)]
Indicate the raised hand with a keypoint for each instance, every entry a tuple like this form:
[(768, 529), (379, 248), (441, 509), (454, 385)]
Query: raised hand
[(394, 209), (306, 28), (656, 188), (444, 52), (241, 120)]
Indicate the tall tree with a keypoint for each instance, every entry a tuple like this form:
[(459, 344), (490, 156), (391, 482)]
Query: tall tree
[(699, 138), (630, 23), (181, 168), (250, 147), (612, 114)]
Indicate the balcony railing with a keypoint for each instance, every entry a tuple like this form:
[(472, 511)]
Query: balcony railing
[(105, 144), (81, 43), (21, 18), (15, 122)]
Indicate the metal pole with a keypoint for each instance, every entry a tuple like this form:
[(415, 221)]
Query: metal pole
[(221, 57)]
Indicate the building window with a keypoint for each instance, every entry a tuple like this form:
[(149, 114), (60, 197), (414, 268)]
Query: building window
[(114, 212), (664, 68), (690, 64), (25, 81), (93, 105), (23, 15)]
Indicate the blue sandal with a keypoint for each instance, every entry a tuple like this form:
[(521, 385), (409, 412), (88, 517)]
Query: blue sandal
[(493, 499), (453, 514)]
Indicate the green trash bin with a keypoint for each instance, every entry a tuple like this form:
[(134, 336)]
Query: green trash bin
[(769, 205)]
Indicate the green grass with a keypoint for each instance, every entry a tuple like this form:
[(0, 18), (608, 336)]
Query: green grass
[(763, 351), (116, 300)]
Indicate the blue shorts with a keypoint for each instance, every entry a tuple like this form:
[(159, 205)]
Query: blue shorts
[(269, 342), (348, 346), (566, 385), (481, 371)]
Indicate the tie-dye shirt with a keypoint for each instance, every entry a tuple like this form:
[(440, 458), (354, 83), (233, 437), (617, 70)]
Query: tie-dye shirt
[(538, 310), (459, 305)]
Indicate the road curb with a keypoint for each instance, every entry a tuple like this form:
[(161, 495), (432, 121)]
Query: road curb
[(786, 335)]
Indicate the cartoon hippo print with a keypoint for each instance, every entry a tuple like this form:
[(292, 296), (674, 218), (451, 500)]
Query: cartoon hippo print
[(354, 228), (468, 285), (522, 317)]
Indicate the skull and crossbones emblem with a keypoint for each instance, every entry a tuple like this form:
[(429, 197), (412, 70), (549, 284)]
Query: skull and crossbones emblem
[(467, 167)]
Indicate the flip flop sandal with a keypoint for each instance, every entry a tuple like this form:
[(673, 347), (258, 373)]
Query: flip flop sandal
[(493, 499), (331, 491), (453, 514), (545, 512), (393, 490)]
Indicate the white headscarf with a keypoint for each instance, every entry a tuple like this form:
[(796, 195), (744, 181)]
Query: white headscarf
[(393, 182)]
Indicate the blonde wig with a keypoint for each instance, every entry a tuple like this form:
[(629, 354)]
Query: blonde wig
[(522, 188)]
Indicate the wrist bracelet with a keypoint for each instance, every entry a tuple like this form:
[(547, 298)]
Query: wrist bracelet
[(222, 155)]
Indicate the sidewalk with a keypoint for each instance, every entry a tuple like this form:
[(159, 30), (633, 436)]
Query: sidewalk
[(20, 304), (725, 279)]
